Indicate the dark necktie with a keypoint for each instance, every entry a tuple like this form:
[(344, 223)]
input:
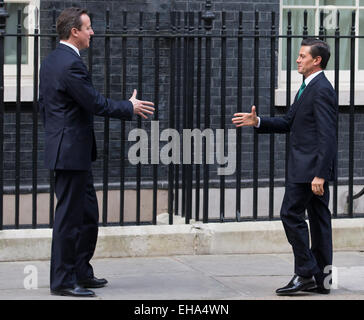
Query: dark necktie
[(303, 86)]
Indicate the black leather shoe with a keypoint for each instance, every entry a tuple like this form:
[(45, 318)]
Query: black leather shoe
[(76, 291), (318, 289), (93, 283), (296, 284)]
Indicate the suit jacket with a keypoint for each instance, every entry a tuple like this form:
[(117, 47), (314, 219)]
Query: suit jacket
[(68, 102), (312, 123)]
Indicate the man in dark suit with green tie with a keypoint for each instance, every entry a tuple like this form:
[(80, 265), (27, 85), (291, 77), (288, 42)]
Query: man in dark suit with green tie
[(312, 161)]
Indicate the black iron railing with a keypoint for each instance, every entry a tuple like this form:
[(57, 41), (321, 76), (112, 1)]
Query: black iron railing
[(190, 43)]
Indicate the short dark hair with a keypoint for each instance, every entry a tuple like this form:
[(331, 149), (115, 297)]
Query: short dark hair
[(68, 19), (318, 48)]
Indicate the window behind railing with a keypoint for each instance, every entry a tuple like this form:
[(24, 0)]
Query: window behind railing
[(12, 27)]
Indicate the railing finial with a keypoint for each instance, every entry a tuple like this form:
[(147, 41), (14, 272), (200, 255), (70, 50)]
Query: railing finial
[(3, 15), (208, 16)]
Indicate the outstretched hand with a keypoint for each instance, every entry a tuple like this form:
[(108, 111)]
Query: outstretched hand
[(141, 108), (246, 119)]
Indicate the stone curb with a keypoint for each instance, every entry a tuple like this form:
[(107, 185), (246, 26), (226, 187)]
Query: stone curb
[(166, 240)]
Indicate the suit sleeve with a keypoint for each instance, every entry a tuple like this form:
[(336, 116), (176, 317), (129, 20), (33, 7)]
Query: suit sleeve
[(273, 125), (325, 113), (79, 87), (276, 124)]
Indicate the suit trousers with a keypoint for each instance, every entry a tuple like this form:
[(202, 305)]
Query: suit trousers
[(308, 261), (75, 228)]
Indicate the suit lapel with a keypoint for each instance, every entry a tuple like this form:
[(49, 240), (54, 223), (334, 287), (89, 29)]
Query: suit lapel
[(305, 92)]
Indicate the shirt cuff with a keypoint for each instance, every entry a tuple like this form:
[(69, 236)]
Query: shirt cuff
[(258, 125)]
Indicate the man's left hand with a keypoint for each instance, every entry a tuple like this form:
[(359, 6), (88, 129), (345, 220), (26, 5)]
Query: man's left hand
[(317, 186)]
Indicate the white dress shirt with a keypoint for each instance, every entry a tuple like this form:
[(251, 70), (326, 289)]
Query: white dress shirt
[(307, 81)]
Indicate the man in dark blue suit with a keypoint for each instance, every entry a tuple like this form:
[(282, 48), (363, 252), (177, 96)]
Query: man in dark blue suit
[(68, 102), (312, 124)]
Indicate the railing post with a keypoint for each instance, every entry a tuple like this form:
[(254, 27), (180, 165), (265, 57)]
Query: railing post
[(156, 116), (198, 111), (351, 118), (189, 120), (305, 27), (272, 113), (256, 103), (51, 172), (106, 121), (322, 29), (139, 120), (208, 18), (239, 108), (54, 28), (171, 115), (3, 15), (122, 130), (178, 46), (337, 74), (223, 107), (18, 119), (288, 81), (35, 121), (90, 55), (184, 106)]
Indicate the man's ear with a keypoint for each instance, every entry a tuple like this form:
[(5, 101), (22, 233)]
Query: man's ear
[(318, 60), (74, 32)]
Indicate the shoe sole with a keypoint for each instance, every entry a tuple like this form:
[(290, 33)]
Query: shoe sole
[(315, 290), (72, 295), (93, 287)]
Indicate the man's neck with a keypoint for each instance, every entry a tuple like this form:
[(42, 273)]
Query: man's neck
[(312, 72)]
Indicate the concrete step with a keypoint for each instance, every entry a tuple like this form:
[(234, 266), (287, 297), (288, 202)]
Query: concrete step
[(181, 239)]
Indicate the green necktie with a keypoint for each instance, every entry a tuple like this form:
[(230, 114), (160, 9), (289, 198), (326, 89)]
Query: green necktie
[(303, 86)]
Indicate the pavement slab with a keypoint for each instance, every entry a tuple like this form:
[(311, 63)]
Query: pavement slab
[(188, 277)]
